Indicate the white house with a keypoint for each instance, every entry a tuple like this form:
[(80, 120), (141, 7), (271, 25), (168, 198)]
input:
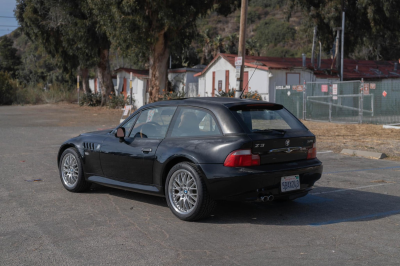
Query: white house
[(266, 74), (184, 79), (261, 74), (140, 80)]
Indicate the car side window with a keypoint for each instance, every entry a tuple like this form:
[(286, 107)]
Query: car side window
[(153, 123), (194, 122)]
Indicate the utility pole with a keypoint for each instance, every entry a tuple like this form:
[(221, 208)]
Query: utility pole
[(242, 47), (313, 46), (342, 53)]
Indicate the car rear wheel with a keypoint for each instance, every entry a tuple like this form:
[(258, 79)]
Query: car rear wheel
[(187, 194), (71, 172)]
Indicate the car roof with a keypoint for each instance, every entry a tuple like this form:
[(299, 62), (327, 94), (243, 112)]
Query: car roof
[(218, 105)]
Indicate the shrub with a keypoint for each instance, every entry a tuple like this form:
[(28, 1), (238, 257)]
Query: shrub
[(90, 99), (7, 91), (246, 95), (115, 101), (171, 95)]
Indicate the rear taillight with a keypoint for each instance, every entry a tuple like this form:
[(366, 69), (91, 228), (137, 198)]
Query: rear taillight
[(312, 152), (241, 158)]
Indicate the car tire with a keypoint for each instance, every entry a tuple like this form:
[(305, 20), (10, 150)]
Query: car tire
[(71, 171), (186, 193)]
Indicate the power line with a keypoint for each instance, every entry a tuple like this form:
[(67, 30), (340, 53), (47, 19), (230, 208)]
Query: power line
[(8, 26)]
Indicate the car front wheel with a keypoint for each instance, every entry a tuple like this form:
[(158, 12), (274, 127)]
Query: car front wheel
[(187, 194), (71, 172)]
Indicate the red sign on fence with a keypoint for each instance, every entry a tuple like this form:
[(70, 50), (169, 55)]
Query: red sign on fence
[(324, 88), (366, 89), (298, 88)]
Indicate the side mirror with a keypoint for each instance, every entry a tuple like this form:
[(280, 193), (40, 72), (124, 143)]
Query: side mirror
[(120, 133)]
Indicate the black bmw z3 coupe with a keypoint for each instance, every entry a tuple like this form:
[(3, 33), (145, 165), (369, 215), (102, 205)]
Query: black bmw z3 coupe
[(198, 150)]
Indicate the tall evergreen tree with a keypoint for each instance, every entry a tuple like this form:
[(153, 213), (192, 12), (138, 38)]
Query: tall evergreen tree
[(154, 26), (10, 61), (70, 32)]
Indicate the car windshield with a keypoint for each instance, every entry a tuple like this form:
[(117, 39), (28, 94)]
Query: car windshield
[(266, 119)]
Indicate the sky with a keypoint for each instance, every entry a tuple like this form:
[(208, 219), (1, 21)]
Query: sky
[(7, 10)]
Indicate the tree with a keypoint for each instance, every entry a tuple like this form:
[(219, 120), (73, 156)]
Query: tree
[(371, 25), (155, 26), (70, 32), (10, 61)]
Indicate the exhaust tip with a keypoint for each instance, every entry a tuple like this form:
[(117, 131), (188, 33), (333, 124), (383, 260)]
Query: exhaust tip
[(263, 199), (271, 198)]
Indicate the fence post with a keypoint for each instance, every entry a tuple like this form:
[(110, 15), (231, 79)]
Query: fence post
[(304, 100), (330, 101), (361, 101)]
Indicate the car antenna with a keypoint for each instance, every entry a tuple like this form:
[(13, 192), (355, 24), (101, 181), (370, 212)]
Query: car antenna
[(240, 97)]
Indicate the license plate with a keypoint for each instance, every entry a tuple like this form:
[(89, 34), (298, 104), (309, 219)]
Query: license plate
[(289, 183)]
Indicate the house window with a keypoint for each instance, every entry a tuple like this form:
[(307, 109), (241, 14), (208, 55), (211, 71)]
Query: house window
[(292, 78)]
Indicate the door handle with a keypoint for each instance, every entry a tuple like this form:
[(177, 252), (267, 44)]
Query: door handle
[(146, 150)]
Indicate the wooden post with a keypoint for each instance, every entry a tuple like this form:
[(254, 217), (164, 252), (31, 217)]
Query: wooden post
[(242, 46)]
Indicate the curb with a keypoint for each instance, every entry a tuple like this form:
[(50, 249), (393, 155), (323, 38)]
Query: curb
[(365, 154)]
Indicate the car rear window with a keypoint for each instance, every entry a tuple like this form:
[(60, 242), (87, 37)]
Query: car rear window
[(263, 118)]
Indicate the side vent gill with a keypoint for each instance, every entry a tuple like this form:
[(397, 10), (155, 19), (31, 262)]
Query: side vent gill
[(89, 146)]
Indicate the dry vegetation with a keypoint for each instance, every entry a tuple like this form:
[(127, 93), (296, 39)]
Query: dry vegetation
[(335, 137)]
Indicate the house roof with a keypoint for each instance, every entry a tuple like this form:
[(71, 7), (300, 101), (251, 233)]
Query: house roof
[(352, 70), (135, 72)]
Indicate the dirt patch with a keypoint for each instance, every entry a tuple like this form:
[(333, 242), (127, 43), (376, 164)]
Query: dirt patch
[(336, 137)]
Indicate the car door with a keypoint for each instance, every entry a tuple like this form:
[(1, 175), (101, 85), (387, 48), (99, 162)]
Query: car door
[(132, 159)]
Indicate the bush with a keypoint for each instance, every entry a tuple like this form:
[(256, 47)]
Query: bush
[(90, 99), (7, 91), (171, 95), (231, 94), (113, 102)]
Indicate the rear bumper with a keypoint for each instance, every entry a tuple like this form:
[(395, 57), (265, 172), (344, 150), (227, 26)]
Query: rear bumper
[(250, 183)]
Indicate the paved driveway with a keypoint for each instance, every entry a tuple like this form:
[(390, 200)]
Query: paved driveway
[(352, 217)]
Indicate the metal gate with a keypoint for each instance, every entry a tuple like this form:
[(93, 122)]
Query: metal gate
[(337, 102), (374, 102)]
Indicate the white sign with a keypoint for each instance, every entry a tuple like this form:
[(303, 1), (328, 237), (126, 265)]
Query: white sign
[(238, 61), (238, 71), (288, 93), (287, 87), (237, 85), (334, 91), (131, 76)]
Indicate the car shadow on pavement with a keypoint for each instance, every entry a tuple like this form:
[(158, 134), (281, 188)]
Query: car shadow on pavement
[(313, 210)]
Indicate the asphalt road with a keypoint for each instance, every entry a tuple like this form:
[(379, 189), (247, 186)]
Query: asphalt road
[(352, 217)]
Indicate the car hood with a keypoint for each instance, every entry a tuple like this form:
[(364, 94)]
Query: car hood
[(99, 132)]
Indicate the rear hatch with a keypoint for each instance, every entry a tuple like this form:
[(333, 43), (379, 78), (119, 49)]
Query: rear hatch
[(277, 135)]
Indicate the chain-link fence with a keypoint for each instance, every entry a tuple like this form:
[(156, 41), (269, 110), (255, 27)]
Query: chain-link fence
[(374, 102)]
